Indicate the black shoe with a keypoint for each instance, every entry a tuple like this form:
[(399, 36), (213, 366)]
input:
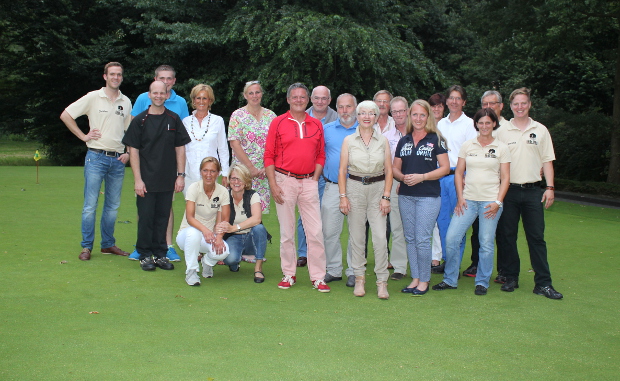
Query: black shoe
[(443, 286), (407, 290), (302, 261), (147, 264), (164, 264), (471, 271), (330, 278), (397, 276), (438, 269), (547, 291), (351, 281), (417, 292), (500, 279), (510, 285), (480, 290), (258, 279)]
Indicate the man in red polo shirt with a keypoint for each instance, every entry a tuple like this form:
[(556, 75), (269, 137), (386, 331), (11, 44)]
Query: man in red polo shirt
[(294, 160)]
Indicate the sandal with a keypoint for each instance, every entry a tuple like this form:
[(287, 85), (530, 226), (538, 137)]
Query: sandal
[(259, 279)]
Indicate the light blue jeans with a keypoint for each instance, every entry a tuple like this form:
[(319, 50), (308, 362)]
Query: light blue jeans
[(486, 235), (100, 168), (302, 245), (252, 243)]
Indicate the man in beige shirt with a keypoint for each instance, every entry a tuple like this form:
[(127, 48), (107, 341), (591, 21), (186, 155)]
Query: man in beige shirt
[(109, 114)]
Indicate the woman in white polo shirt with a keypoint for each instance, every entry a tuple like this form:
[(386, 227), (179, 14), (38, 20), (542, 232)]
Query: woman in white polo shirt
[(479, 195), (206, 204)]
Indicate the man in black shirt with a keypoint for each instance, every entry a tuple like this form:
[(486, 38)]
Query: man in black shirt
[(157, 139)]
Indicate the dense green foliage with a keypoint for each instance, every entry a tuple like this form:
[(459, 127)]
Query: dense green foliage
[(52, 52)]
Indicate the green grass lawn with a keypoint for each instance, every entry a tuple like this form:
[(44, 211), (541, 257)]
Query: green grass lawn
[(152, 326), (17, 151)]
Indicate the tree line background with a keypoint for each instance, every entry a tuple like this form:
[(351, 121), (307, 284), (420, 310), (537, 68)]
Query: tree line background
[(52, 52)]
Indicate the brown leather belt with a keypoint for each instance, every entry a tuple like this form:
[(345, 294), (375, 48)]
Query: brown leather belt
[(367, 180), (295, 175)]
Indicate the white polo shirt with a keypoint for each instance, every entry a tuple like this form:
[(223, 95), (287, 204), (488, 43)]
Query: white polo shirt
[(457, 133)]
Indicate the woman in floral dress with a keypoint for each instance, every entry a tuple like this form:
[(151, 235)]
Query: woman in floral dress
[(247, 133)]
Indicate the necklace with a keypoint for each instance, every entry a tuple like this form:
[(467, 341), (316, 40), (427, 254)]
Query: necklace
[(206, 129), (369, 139)]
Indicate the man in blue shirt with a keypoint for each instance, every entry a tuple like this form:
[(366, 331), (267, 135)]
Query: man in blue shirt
[(177, 104), (321, 98), (334, 134)]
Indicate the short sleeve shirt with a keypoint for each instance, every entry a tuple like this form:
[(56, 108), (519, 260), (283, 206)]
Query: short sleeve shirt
[(482, 165), (420, 159), (156, 137), (241, 214), (206, 208), (529, 149), (456, 133), (175, 103), (111, 118)]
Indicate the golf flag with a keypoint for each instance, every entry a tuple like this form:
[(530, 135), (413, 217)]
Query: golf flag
[(37, 157)]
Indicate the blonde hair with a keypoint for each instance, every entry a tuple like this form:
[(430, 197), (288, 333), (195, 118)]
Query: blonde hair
[(202, 87), (210, 159), (431, 124), (252, 83), (520, 91), (244, 174)]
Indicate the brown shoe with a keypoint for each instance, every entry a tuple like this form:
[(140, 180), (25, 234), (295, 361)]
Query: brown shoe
[(85, 254), (302, 261), (382, 291), (114, 250), (359, 286)]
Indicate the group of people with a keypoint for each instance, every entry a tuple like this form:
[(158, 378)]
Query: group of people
[(416, 177)]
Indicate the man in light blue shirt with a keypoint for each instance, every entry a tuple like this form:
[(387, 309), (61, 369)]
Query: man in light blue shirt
[(334, 134), (320, 98), (177, 104)]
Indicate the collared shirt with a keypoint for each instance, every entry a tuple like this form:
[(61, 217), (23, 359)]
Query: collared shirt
[(393, 136), (529, 149), (366, 160), (331, 115), (174, 103), (206, 208), (208, 139), (295, 147), (110, 118), (420, 159), (456, 133), (483, 168), (334, 134), (388, 127)]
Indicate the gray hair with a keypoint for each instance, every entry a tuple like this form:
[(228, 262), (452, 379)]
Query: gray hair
[(491, 92), (297, 85), (368, 105), (349, 95), (399, 98), (382, 92)]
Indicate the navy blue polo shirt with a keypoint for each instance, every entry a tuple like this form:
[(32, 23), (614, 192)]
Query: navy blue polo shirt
[(420, 159)]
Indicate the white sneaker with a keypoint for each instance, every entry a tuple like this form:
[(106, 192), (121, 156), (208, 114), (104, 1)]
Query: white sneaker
[(207, 271), (192, 278)]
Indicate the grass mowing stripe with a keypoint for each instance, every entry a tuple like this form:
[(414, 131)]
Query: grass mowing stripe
[(153, 326)]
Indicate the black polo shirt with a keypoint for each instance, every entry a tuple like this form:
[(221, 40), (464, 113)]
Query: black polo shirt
[(157, 136), (420, 159)]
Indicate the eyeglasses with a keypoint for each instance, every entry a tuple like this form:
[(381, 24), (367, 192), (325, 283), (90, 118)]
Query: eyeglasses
[(324, 99), (235, 179), (252, 83), (489, 104), (382, 101), (455, 99), (363, 113), (398, 112)]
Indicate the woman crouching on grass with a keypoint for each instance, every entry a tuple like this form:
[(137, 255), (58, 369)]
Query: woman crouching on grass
[(244, 232), (206, 204)]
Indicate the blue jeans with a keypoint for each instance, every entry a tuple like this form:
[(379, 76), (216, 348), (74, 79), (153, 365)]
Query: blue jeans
[(302, 245), (252, 243), (486, 235), (100, 168), (448, 202)]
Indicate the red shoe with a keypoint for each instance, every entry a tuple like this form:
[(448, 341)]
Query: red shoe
[(321, 285), (287, 282)]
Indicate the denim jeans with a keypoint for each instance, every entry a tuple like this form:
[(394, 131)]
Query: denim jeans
[(302, 245), (100, 168), (252, 243), (486, 235), (448, 202)]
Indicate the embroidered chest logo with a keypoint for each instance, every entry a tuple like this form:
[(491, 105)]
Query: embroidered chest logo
[(532, 139), (119, 111), (406, 149), (490, 154), (426, 151), (215, 203)]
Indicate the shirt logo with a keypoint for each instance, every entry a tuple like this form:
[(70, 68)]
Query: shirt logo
[(119, 111), (406, 149), (490, 154), (215, 203), (532, 139), (426, 151)]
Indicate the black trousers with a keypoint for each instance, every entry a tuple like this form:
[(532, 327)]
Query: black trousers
[(475, 243), (153, 215), (523, 203)]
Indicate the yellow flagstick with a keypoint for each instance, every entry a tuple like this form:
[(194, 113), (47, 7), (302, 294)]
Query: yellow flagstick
[(37, 157)]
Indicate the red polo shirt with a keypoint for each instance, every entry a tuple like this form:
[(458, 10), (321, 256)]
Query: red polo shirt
[(295, 147)]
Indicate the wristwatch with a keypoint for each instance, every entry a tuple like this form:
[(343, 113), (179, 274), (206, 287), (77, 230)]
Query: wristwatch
[(385, 198), (238, 227), (499, 203), (181, 174)]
